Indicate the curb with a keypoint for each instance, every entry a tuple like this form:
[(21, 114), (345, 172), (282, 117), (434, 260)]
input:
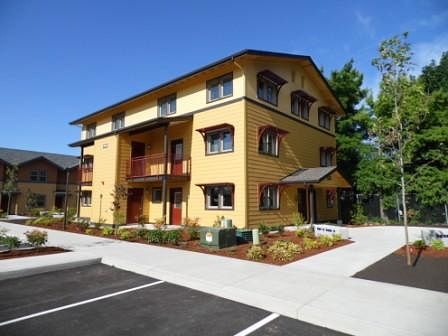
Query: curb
[(22, 267)]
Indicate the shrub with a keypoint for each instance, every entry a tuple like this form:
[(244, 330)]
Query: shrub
[(284, 251), (90, 231), (192, 226), (142, 220), (305, 233), (309, 244), (336, 237), (263, 228), (108, 231), (419, 244), (155, 236), (172, 236), (298, 219), (44, 220), (2, 214), (10, 241), (142, 233), (255, 252), (281, 228), (325, 241), (127, 234), (83, 224), (437, 245), (159, 223), (358, 216), (36, 237)]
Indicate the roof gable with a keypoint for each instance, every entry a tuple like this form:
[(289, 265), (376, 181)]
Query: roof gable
[(19, 157)]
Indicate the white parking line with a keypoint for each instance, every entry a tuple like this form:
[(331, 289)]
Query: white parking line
[(45, 312), (258, 325)]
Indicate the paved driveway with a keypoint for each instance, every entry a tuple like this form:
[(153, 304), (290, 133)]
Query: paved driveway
[(314, 291)]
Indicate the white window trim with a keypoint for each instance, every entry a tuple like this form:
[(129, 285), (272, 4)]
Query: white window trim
[(277, 198), (264, 96), (275, 137), (119, 117), (167, 100), (220, 205), (220, 82), (221, 141)]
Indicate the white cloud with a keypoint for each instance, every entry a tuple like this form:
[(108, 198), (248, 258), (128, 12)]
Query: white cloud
[(424, 52), (366, 22)]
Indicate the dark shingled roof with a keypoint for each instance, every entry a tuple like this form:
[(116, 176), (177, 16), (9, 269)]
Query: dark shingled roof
[(308, 175), (18, 156)]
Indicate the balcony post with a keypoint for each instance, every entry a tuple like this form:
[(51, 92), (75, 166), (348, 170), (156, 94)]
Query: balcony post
[(80, 172), (165, 171)]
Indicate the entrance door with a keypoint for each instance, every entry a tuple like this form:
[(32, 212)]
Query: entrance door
[(59, 201), (135, 205), (176, 206), (301, 203), (137, 159), (177, 156)]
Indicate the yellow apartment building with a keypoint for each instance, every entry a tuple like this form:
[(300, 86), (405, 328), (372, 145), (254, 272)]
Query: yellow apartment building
[(250, 137)]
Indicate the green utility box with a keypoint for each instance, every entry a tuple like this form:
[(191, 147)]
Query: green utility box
[(218, 237), (244, 235)]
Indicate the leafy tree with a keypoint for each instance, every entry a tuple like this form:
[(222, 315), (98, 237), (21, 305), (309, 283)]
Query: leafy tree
[(351, 129), (396, 117), (435, 77), (30, 201), (10, 185), (119, 195)]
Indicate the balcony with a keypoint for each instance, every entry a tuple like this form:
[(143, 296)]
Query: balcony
[(86, 176), (152, 168)]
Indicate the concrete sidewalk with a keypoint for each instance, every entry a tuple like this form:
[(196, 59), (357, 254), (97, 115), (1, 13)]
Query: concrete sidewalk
[(316, 290)]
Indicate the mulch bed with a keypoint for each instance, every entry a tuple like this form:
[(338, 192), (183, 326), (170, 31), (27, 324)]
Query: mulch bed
[(31, 252), (429, 269), (239, 251)]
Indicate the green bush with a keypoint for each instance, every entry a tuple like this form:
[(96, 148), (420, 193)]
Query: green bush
[(336, 237), (263, 228), (44, 220), (83, 224), (172, 236), (305, 233), (281, 228), (437, 245), (108, 231), (325, 241), (309, 244), (125, 234), (90, 231), (298, 219), (419, 244), (10, 241), (284, 251), (255, 252), (142, 233), (193, 232), (155, 236), (2, 214), (358, 216), (36, 237)]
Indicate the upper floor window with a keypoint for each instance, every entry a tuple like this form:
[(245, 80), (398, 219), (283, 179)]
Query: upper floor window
[(219, 196), (87, 162), (38, 175), (167, 105), (220, 87), (269, 140), (268, 86), (325, 118), (301, 104), (326, 156), (91, 130), (117, 121), (269, 197), (218, 138)]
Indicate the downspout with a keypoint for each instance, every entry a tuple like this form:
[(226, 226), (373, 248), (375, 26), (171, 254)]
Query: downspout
[(165, 172), (78, 203)]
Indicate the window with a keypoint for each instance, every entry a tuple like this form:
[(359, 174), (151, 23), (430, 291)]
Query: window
[(117, 121), (220, 142), (269, 197), (331, 195), (326, 157), (220, 87), (269, 142), (87, 162), (90, 131), (324, 118), (41, 201), (167, 105), (156, 195), (38, 176), (219, 196), (301, 104), (86, 198), (268, 86)]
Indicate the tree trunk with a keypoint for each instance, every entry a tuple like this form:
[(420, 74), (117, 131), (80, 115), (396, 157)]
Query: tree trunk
[(403, 198), (9, 204), (381, 203)]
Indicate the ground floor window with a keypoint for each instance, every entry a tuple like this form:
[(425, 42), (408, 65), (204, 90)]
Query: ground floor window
[(270, 197), (219, 196), (156, 195), (41, 201), (86, 198), (331, 196)]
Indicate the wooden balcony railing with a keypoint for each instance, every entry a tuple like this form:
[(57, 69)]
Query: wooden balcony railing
[(154, 166), (86, 175)]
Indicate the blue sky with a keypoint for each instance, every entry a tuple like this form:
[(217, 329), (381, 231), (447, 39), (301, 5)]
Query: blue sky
[(60, 60)]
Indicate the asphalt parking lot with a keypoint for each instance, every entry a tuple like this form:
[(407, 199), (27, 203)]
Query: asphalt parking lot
[(102, 300)]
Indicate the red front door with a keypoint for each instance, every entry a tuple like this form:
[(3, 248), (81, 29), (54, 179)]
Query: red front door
[(177, 156), (135, 205), (137, 159), (176, 206)]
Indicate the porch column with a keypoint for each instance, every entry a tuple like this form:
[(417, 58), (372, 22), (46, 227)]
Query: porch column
[(165, 171), (312, 214), (78, 203)]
